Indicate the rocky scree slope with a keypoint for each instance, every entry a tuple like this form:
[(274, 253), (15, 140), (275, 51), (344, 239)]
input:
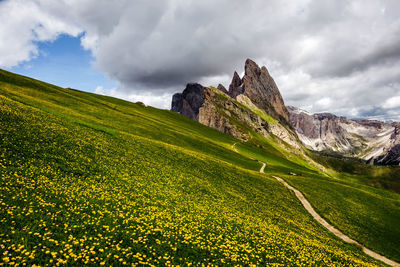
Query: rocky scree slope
[(374, 141)]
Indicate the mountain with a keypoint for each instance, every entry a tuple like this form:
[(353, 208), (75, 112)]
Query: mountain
[(88, 179), (261, 89), (253, 101), (373, 141), (256, 85)]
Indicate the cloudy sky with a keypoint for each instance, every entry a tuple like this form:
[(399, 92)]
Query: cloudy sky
[(337, 56)]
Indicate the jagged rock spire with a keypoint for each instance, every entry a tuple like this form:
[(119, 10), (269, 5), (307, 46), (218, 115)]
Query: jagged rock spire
[(261, 89), (235, 88)]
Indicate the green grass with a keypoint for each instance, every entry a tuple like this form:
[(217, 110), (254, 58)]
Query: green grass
[(369, 215), (89, 179), (248, 104), (386, 177)]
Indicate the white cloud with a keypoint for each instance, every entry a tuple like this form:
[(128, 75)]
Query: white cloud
[(215, 80), (23, 23), (149, 98), (90, 42), (393, 102), (324, 103), (101, 90)]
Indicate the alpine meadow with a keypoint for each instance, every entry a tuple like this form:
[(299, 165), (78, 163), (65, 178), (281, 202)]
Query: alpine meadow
[(94, 180)]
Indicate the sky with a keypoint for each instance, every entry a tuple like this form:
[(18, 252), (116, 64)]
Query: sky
[(338, 56)]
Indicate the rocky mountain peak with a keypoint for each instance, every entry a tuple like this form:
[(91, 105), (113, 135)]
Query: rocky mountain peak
[(256, 84), (189, 101), (260, 88), (256, 87), (236, 80), (251, 68), (235, 88)]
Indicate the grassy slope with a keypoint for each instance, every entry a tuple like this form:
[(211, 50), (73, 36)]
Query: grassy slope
[(361, 200), (387, 177), (369, 215), (88, 178)]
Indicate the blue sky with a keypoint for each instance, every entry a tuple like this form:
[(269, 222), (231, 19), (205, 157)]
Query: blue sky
[(65, 63)]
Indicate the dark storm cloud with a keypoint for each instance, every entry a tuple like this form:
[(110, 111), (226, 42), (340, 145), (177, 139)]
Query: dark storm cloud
[(340, 56), (373, 112), (298, 97), (384, 55)]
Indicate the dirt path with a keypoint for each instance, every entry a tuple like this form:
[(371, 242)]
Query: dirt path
[(262, 167), (234, 148), (332, 229)]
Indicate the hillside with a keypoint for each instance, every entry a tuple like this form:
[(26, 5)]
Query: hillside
[(90, 179)]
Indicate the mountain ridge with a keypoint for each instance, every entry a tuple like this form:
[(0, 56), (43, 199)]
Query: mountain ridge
[(371, 140)]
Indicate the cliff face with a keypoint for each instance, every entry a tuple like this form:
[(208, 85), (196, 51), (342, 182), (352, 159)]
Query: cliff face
[(219, 110), (261, 89), (214, 108), (374, 141), (392, 157), (189, 101)]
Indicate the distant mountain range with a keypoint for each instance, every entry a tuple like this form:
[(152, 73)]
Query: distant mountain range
[(371, 140), (254, 102)]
